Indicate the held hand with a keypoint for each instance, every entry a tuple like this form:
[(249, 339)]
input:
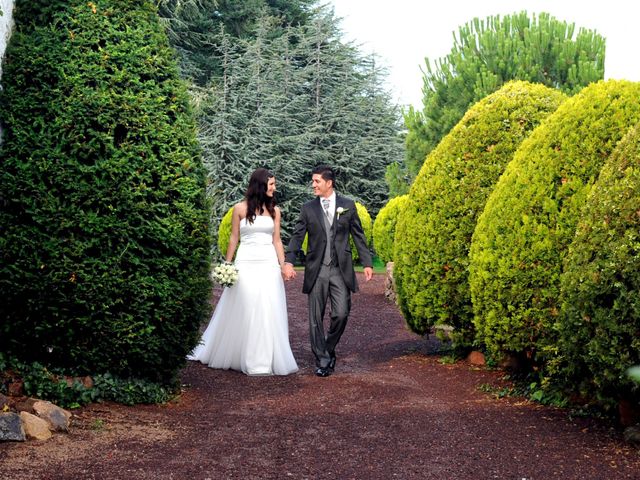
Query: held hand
[(288, 272), (368, 273)]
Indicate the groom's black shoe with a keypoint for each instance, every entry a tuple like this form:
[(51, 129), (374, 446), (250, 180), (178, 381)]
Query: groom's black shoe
[(332, 364), (322, 372)]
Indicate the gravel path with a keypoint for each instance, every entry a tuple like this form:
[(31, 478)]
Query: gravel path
[(391, 410)]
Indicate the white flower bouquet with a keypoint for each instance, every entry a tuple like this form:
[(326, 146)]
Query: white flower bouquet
[(225, 274)]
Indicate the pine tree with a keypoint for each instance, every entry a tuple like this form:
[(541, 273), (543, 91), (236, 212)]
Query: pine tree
[(486, 54), (294, 101)]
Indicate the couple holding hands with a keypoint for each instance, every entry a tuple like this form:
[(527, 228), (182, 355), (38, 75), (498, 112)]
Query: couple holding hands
[(249, 329)]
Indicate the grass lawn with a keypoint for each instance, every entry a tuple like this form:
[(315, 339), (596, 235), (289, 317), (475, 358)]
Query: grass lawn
[(378, 266)]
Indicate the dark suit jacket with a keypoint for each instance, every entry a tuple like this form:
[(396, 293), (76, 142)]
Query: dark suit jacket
[(311, 222)]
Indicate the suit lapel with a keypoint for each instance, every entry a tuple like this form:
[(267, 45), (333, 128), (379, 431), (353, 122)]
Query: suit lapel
[(319, 212)]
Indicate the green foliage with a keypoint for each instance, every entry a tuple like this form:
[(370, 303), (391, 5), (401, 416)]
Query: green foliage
[(67, 392), (488, 53), (28, 14), (367, 227), (384, 227), (397, 178), (195, 28), (634, 374), (530, 218), (224, 232), (528, 386), (417, 145), (599, 323), (434, 232), (105, 244), (291, 105)]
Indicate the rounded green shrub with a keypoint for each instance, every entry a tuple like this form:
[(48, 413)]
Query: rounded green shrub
[(105, 236), (367, 227), (530, 218), (434, 233), (384, 227), (599, 324), (224, 232)]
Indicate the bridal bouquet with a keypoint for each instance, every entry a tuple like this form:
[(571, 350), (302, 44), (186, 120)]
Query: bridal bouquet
[(225, 274)]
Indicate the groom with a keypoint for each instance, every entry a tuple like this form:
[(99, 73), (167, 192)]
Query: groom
[(328, 274)]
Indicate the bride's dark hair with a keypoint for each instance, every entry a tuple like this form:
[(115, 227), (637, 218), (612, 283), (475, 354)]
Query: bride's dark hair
[(256, 196)]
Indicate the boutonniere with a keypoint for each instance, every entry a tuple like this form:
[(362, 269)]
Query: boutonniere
[(340, 211)]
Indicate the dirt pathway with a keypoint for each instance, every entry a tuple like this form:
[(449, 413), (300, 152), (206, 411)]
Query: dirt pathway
[(390, 411)]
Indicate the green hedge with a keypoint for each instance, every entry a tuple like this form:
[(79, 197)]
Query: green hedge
[(384, 227), (105, 244), (599, 323), (224, 232), (530, 218), (435, 228), (367, 227)]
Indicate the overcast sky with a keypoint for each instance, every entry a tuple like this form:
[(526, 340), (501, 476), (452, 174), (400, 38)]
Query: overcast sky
[(404, 32)]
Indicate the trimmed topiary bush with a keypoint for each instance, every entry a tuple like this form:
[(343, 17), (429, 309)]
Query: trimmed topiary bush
[(435, 228), (384, 227), (530, 218), (105, 244), (224, 232), (367, 227), (599, 324)]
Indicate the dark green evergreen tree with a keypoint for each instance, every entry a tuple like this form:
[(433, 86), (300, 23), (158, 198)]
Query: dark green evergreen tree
[(194, 28), (294, 101), (104, 245)]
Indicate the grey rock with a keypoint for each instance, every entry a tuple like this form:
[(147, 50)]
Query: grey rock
[(57, 418), (632, 434), (11, 428)]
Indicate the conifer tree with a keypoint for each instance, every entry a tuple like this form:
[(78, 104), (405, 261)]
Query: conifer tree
[(486, 54), (294, 101)]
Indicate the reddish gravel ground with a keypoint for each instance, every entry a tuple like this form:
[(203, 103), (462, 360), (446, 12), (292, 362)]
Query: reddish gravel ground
[(391, 410)]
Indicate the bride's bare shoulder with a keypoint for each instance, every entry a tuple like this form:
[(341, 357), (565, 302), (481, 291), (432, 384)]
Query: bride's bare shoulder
[(240, 209)]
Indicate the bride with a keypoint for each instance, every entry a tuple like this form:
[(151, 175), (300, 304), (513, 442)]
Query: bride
[(249, 329)]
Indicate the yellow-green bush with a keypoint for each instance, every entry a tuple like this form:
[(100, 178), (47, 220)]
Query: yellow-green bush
[(530, 218), (224, 232), (384, 227), (599, 323), (434, 232), (367, 227)]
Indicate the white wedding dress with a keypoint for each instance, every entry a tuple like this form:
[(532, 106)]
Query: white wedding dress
[(249, 330)]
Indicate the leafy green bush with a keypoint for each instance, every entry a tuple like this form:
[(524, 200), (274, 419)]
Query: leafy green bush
[(435, 228), (367, 227), (530, 218), (224, 232), (599, 323), (105, 244), (67, 392), (384, 227)]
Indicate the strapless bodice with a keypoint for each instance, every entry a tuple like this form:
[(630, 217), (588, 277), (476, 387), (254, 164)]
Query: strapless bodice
[(260, 232)]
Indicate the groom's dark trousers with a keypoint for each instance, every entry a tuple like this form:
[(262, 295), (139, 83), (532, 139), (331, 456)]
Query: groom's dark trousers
[(328, 273), (329, 285)]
